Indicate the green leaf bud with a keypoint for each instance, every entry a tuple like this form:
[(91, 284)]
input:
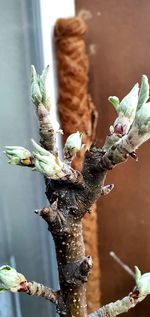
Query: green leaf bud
[(115, 102), (144, 92), (16, 154), (73, 145), (10, 279)]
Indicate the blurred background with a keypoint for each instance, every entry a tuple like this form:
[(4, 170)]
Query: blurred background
[(118, 43), (24, 239)]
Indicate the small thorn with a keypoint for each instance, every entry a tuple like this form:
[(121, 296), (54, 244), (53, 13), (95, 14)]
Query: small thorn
[(107, 189), (134, 155), (37, 211), (54, 204), (110, 186)]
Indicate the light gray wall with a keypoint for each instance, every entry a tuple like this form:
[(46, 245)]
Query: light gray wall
[(24, 240)]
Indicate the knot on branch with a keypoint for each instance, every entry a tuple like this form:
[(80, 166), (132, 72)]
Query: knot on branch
[(77, 272), (54, 217), (134, 295)]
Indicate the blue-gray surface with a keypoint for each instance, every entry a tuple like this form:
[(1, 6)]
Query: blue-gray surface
[(24, 239)]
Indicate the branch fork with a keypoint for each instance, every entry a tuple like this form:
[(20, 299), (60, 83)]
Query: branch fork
[(55, 219)]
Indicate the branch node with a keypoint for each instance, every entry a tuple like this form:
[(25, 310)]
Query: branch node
[(38, 212), (77, 272), (55, 219), (134, 156)]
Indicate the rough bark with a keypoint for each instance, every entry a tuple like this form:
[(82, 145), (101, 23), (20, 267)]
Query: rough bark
[(118, 307), (46, 130), (39, 290), (75, 105), (69, 202)]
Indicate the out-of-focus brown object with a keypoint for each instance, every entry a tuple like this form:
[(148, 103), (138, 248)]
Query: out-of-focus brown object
[(90, 228), (120, 34), (78, 113)]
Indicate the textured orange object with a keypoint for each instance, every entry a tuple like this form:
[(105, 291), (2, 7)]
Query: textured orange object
[(76, 109), (77, 113)]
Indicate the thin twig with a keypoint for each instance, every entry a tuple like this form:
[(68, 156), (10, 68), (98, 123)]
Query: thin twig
[(40, 290), (122, 264)]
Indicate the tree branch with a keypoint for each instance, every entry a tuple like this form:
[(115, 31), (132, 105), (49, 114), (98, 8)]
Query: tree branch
[(41, 100), (39, 290), (11, 280), (118, 307)]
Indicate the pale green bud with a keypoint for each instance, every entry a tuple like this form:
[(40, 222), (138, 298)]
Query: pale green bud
[(128, 104), (39, 149), (47, 163), (142, 283), (142, 119), (48, 166), (73, 145), (36, 94), (133, 140), (38, 167), (47, 159), (10, 279), (34, 76), (35, 87), (144, 92), (127, 110), (40, 87), (137, 274), (115, 102), (140, 129), (44, 87), (16, 154)]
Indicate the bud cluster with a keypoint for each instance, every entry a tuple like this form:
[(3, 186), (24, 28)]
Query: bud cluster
[(126, 110), (142, 283), (44, 161), (133, 121), (73, 145), (39, 87), (10, 279), (47, 163), (17, 155)]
